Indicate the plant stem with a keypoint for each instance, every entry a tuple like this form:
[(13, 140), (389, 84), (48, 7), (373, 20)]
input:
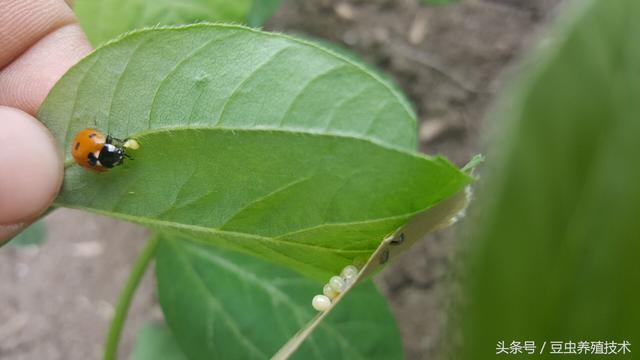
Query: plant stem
[(120, 315)]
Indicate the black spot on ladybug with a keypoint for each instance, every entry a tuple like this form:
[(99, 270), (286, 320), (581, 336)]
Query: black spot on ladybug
[(93, 160), (77, 145)]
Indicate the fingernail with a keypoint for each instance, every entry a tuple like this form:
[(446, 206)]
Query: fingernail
[(30, 167)]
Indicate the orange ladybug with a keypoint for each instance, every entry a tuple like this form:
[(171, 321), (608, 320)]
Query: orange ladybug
[(94, 151)]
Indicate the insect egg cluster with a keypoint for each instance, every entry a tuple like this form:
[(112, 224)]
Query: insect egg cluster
[(336, 286)]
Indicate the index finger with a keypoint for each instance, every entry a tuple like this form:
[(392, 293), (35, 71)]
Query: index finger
[(24, 23), (40, 41)]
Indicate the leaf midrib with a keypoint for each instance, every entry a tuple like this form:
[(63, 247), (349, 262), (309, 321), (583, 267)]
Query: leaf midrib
[(267, 129), (214, 231), (277, 239)]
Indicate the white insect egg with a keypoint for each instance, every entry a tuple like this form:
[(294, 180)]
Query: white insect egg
[(321, 303), (349, 280), (329, 292), (349, 274), (131, 144), (338, 284)]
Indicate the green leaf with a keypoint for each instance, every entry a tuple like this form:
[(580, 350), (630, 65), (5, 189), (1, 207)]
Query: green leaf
[(155, 342), (250, 140), (555, 245), (225, 76), (261, 11), (224, 305), (436, 217), (316, 203), (358, 60), (104, 20), (35, 234)]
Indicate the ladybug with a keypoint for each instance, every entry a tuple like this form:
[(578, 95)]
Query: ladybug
[(94, 151)]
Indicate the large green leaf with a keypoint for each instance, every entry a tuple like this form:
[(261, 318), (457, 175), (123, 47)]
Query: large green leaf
[(316, 203), (155, 342), (224, 305), (225, 76), (250, 140), (104, 20), (556, 240)]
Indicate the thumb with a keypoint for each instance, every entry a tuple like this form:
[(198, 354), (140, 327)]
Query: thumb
[(31, 170)]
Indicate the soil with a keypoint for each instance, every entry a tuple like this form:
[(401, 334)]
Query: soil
[(57, 298)]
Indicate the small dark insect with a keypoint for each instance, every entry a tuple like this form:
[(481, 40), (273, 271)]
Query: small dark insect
[(94, 151)]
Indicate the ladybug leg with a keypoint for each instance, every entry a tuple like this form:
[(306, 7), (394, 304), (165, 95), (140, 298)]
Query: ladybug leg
[(93, 160), (115, 141), (112, 140)]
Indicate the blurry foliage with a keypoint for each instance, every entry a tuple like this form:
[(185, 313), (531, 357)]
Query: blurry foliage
[(261, 11), (104, 20), (554, 250), (155, 342)]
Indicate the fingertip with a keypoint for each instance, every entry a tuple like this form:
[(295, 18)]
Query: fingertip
[(31, 169)]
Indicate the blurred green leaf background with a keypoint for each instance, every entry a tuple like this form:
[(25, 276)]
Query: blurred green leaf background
[(155, 342), (104, 20), (553, 254)]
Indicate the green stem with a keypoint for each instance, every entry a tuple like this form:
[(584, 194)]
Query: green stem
[(117, 323)]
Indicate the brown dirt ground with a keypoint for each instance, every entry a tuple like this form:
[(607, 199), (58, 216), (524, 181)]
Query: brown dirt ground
[(56, 299)]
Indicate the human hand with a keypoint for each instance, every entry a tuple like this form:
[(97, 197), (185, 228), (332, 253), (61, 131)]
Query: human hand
[(39, 41)]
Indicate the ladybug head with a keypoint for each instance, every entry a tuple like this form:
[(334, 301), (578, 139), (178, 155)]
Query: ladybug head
[(111, 155)]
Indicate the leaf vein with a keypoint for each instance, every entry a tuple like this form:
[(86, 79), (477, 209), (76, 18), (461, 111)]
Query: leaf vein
[(305, 87), (263, 198), (119, 83), (213, 301), (236, 91), (75, 100), (213, 231), (342, 104), (271, 290), (177, 66)]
